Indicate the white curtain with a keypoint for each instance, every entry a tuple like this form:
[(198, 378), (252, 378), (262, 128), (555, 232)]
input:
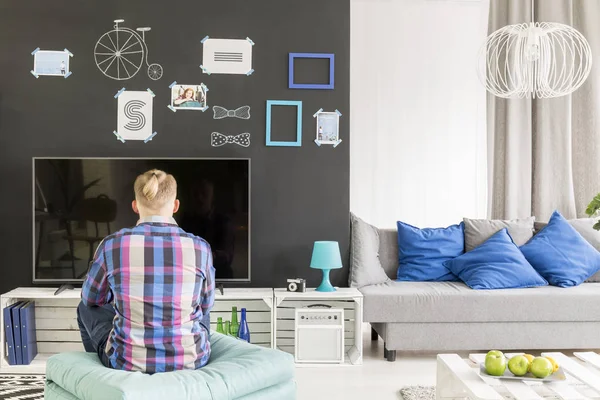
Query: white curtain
[(545, 154), (418, 112)]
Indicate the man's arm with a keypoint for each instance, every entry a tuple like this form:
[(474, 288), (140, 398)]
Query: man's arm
[(207, 291), (95, 290)]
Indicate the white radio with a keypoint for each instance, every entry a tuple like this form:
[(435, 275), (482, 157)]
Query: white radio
[(319, 335)]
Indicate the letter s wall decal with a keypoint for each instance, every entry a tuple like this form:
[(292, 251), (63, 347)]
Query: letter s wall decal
[(137, 120)]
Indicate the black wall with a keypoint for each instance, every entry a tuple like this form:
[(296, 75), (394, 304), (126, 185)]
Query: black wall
[(299, 195)]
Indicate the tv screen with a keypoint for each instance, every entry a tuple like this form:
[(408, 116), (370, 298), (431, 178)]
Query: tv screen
[(79, 201)]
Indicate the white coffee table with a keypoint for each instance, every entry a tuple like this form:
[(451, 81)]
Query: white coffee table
[(458, 378)]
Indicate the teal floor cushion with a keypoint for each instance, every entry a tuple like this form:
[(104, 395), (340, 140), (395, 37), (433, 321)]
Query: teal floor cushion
[(236, 370)]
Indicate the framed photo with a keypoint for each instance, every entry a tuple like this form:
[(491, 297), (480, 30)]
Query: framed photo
[(328, 128), (51, 63), (189, 97)]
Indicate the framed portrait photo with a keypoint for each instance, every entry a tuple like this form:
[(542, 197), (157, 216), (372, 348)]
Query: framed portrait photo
[(328, 128), (189, 97)]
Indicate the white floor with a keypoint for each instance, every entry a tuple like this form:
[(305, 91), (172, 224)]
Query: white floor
[(376, 379)]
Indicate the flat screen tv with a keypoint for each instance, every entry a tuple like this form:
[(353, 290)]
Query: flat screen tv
[(79, 201)]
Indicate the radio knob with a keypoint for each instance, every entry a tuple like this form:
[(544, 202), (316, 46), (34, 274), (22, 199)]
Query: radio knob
[(330, 317)]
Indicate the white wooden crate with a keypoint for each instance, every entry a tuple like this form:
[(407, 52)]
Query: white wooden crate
[(56, 325), (259, 312), (460, 378), (57, 329), (348, 299)]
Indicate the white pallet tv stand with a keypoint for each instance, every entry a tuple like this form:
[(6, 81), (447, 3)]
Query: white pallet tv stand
[(57, 330)]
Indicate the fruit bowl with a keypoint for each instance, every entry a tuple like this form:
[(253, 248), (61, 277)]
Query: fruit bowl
[(557, 376)]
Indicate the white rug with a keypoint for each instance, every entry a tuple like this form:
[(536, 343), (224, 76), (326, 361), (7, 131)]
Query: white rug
[(22, 387), (418, 392)]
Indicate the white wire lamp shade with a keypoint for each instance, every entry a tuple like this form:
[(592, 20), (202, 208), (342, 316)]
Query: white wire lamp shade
[(534, 60)]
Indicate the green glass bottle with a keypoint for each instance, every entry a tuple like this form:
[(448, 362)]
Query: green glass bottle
[(235, 326), (227, 328), (220, 325)]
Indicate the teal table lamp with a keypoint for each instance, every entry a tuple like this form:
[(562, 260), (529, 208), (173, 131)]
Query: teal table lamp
[(326, 256)]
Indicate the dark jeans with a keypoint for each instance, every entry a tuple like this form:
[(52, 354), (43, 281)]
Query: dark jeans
[(95, 324)]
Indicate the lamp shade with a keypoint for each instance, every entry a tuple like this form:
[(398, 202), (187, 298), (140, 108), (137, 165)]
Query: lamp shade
[(326, 255)]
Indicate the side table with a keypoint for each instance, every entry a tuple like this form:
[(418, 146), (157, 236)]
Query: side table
[(349, 299)]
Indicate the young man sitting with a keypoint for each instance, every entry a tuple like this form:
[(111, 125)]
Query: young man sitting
[(147, 296)]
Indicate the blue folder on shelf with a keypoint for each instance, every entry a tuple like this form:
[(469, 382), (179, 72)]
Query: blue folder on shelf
[(16, 325), (8, 334), (28, 339)]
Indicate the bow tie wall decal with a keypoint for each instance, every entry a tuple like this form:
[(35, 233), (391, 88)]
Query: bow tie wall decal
[(217, 139), (242, 112)]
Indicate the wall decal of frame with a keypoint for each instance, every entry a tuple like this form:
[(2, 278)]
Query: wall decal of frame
[(298, 105), (329, 85)]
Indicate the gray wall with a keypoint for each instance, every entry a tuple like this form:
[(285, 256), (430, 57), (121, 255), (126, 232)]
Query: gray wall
[(299, 195)]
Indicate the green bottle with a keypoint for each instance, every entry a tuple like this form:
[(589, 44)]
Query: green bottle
[(220, 325), (227, 328), (235, 326)]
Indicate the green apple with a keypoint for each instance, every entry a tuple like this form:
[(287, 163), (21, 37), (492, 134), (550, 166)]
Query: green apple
[(495, 363), (518, 365), (541, 367)]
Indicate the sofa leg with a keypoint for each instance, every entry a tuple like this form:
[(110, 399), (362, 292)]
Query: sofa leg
[(374, 335), (391, 355), (385, 351)]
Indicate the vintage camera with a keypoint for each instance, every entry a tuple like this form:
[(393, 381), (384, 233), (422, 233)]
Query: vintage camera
[(296, 285)]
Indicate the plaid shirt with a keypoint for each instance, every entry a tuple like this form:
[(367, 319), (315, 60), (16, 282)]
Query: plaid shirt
[(161, 282)]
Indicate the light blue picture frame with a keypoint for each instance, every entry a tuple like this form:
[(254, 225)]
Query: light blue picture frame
[(292, 103)]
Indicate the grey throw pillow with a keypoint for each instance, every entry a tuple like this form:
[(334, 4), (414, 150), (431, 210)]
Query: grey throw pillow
[(365, 266), (585, 227), (478, 231), (538, 226)]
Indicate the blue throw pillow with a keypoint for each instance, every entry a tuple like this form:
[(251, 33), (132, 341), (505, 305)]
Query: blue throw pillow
[(496, 264), (561, 255), (422, 252)]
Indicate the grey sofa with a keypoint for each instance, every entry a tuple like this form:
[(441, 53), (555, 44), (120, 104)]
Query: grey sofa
[(448, 316)]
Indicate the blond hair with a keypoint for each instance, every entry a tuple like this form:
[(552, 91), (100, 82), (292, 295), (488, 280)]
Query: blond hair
[(153, 189)]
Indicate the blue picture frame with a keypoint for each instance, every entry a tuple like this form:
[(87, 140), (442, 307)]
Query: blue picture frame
[(323, 86), (298, 105)]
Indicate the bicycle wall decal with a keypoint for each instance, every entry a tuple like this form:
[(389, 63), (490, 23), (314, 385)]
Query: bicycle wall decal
[(121, 53)]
